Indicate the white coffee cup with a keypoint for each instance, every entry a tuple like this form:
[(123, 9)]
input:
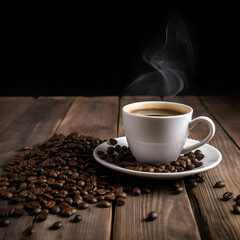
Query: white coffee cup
[(161, 138)]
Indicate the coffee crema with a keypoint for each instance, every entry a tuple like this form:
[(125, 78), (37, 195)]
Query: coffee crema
[(158, 109), (157, 112)]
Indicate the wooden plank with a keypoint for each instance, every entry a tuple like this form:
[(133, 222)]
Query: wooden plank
[(96, 116), (37, 123), (226, 110), (11, 108), (214, 213), (176, 219)]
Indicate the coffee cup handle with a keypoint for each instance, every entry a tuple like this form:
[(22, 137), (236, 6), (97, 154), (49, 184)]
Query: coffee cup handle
[(211, 125)]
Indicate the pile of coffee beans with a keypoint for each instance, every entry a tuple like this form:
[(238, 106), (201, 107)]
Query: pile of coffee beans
[(122, 156), (60, 176)]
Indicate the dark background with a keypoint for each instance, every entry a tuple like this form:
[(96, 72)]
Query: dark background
[(97, 50)]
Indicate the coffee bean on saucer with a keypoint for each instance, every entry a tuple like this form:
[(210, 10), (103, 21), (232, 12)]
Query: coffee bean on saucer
[(113, 141), (220, 184), (227, 196), (152, 216), (236, 209), (56, 225)]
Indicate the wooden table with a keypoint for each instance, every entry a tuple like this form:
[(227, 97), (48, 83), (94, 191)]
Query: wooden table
[(196, 213)]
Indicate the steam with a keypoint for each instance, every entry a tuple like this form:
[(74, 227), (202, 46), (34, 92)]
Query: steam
[(167, 65)]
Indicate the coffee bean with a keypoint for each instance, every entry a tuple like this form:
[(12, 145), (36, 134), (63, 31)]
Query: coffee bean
[(36, 211), (236, 209), (120, 201), (179, 190), (237, 198), (238, 202), (67, 212), (4, 222), (56, 225), (145, 190), (77, 218), (113, 141), (192, 183), (152, 216), (83, 205), (227, 196), (220, 184), (104, 204), (201, 179), (42, 216), (31, 229), (55, 209), (7, 195), (121, 194), (197, 152), (136, 191)]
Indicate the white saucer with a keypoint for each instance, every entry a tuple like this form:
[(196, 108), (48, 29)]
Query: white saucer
[(212, 158)]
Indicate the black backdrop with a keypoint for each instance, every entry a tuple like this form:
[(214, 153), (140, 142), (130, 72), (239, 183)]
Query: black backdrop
[(97, 50)]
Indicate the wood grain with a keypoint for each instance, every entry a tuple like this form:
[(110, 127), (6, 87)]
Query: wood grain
[(37, 123), (11, 108), (226, 110), (176, 219), (95, 116), (214, 213)]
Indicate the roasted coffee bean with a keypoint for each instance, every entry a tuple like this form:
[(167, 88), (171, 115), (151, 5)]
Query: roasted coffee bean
[(200, 156), (237, 197), (113, 141), (4, 222), (191, 166), (179, 190), (110, 197), (120, 201), (136, 191), (91, 199), (7, 195), (227, 196), (104, 204), (201, 179), (236, 209), (68, 200), (42, 216), (152, 216), (50, 204), (145, 190), (121, 194), (77, 218), (83, 205), (55, 209), (31, 229), (192, 183), (238, 202), (67, 212), (56, 225), (220, 184), (37, 211), (198, 164)]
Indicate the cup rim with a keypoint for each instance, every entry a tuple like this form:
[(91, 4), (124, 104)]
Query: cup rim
[(158, 117)]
